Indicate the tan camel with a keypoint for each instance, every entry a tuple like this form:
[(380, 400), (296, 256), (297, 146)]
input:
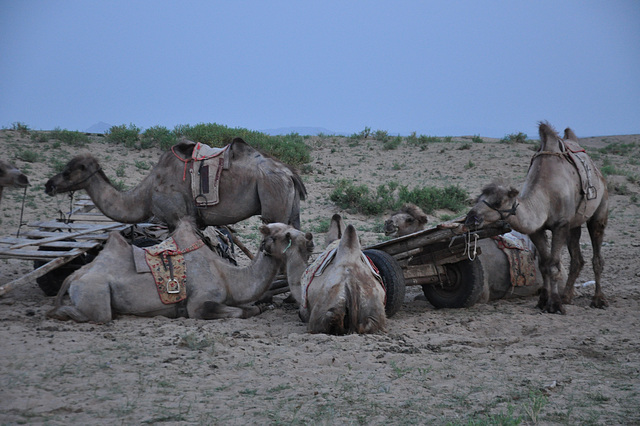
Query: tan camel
[(215, 289), (11, 177), (562, 191), (340, 293), (409, 219), (498, 282), (254, 184)]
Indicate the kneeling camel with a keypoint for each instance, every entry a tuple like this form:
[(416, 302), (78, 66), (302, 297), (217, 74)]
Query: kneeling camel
[(215, 289)]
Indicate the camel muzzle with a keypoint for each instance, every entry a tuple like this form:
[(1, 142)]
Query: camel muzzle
[(50, 188)]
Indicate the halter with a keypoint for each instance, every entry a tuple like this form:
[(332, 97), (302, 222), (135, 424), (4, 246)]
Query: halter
[(509, 212)]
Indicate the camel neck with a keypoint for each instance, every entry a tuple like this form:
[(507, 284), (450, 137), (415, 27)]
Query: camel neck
[(527, 219), (256, 279), (131, 206)]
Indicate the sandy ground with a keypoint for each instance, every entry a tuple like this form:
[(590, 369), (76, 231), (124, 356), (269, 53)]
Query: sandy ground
[(502, 362)]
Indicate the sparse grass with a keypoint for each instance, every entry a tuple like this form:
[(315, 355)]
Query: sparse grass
[(142, 165), (196, 342), (469, 165), (28, 155), (20, 127), (121, 170), (464, 146), (477, 139), (391, 144), (321, 226)]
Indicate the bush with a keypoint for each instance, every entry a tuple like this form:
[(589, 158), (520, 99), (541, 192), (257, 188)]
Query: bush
[(514, 138), (70, 137), (392, 143), (126, 135), (158, 136), (391, 196), (381, 135), (477, 139)]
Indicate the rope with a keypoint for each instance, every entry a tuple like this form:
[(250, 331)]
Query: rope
[(185, 161)]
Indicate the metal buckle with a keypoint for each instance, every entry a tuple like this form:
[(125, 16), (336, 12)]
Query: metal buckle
[(173, 286)]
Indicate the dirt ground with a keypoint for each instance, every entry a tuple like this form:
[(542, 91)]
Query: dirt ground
[(503, 362)]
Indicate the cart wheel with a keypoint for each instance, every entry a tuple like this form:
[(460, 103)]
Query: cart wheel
[(392, 278), (463, 289)]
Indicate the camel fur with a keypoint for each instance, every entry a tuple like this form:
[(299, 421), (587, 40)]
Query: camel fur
[(254, 184), (346, 297), (215, 289), (495, 264), (11, 177), (552, 199)]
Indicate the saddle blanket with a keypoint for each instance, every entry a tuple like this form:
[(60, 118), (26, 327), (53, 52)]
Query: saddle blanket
[(169, 272), (583, 164), (521, 259), (318, 266), (207, 167)]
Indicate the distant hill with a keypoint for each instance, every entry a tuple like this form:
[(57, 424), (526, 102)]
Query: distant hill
[(301, 130), (99, 127)]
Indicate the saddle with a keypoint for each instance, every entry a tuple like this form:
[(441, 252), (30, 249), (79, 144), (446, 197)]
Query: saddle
[(578, 156), (168, 267), (205, 170), (521, 259)]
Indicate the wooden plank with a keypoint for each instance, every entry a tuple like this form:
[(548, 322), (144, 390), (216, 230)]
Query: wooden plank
[(72, 226), (65, 235), (39, 235), (35, 254), (36, 273), (66, 244)]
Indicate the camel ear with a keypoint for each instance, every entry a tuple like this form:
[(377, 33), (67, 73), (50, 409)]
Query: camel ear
[(310, 244), (513, 192), (264, 230)]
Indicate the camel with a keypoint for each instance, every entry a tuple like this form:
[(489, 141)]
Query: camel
[(561, 192), (343, 294), (215, 289), (253, 184), (11, 177), (498, 283), (409, 219)]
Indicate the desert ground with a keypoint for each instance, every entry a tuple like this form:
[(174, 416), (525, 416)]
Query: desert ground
[(502, 362)]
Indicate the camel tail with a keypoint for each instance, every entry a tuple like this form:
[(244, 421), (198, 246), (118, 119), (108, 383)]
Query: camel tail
[(301, 190)]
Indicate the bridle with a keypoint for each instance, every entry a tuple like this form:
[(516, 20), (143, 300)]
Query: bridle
[(502, 212)]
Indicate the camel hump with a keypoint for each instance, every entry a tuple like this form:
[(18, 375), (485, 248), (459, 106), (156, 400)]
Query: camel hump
[(548, 136), (569, 134), (349, 244), (240, 148), (185, 147), (336, 229)]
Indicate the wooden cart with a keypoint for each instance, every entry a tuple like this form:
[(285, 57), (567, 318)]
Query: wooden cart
[(440, 259)]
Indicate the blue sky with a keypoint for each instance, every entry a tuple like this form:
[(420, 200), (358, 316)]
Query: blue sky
[(434, 67)]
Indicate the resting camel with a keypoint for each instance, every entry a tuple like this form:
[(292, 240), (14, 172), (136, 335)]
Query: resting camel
[(563, 190), (215, 289), (498, 282), (343, 294), (11, 177), (253, 184)]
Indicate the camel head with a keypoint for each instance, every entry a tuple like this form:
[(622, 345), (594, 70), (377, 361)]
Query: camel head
[(284, 241), (409, 219), (11, 177), (74, 176), (496, 202)]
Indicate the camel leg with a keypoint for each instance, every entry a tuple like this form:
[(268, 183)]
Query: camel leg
[(558, 240), (577, 262), (214, 310), (539, 239), (596, 231)]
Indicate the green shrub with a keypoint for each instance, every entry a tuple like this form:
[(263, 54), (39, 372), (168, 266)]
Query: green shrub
[(126, 135), (412, 139), (624, 149), (381, 135), (359, 198), (70, 137), (392, 143), (158, 136), (477, 139), (20, 127), (39, 137), (514, 138), (28, 155)]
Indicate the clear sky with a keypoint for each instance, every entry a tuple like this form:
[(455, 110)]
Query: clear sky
[(444, 68)]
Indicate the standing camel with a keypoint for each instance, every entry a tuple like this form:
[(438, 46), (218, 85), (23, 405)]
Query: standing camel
[(253, 184), (11, 177), (562, 190), (112, 283)]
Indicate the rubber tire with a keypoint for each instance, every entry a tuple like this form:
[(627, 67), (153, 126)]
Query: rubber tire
[(466, 289), (392, 278)]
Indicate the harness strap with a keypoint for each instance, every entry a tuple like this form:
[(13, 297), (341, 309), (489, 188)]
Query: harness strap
[(186, 161)]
